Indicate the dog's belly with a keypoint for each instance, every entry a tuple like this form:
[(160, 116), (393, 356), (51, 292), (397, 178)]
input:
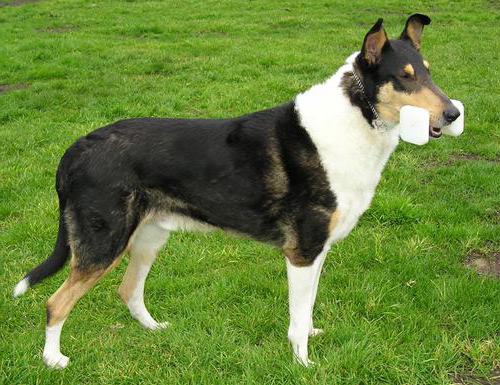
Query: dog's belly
[(176, 222)]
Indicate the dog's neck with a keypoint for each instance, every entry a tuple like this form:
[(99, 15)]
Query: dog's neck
[(352, 152), (329, 114)]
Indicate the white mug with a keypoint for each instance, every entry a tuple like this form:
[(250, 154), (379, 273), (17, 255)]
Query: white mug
[(414, 125), (457, 127)]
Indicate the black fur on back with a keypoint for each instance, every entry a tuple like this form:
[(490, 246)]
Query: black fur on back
[(257, 175)]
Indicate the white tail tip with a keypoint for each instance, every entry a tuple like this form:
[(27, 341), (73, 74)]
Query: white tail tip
[(21, 287)]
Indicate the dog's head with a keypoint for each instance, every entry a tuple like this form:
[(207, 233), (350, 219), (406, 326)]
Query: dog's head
[(395, 74)]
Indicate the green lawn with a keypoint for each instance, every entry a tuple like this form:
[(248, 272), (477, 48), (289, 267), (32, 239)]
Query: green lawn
[(397, 303)]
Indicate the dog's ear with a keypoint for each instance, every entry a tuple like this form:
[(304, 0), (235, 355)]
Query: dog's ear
[(375, 41), (414, 28)]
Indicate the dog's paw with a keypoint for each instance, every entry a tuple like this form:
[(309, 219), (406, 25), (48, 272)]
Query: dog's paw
[(162, 325), (153, 325), (315, 332), (306, 362), (310, 363), (55, 360)]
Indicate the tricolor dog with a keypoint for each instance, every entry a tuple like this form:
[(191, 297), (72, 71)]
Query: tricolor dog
[(297, 176)]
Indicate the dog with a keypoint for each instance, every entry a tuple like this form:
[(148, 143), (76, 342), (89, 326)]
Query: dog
[(297, 176)]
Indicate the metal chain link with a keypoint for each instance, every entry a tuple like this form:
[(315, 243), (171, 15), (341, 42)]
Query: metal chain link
[(377, 123)]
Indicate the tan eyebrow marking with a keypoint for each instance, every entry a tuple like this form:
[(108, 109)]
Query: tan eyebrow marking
[(409, 70), (426, 64)]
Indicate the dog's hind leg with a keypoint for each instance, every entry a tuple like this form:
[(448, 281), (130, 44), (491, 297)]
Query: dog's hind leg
[(144, 246), (60, 304), (99, 231)]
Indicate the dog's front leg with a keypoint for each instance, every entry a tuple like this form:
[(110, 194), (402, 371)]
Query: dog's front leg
[(321, 260), (302, 285)]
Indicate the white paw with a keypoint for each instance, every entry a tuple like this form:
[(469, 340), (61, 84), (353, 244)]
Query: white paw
[(55, 360), (306, 362), (146, 320), (310, 363), (162, 325), (153, 325), (315, 332)]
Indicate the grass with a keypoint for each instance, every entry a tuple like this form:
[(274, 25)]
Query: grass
[(397, 303)]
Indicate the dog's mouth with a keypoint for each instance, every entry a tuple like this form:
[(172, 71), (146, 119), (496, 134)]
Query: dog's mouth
[(435, 132)]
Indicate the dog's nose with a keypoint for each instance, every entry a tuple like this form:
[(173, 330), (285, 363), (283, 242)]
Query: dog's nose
[(451, 114)]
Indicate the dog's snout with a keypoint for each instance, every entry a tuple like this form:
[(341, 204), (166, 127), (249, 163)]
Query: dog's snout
[(451, 114)]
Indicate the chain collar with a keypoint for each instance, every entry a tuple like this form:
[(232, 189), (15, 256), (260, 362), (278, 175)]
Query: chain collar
[(377, 122)]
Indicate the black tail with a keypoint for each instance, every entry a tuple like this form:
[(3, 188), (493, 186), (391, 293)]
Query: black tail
[(56, 260), (51, 265)]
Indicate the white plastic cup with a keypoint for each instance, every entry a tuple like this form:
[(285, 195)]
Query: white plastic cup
[(414, 125), (457, 127)]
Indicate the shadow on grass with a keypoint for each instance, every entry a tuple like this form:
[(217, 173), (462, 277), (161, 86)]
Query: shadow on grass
[(12, 87), (16, 3), (470, 379)]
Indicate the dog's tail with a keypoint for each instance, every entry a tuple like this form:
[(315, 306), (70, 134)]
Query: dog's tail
[(52, 264)]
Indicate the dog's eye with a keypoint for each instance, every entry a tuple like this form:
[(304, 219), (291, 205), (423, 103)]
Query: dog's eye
[(408, 72), (406, 76)]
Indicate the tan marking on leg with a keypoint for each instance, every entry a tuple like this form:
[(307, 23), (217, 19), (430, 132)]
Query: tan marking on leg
[(79, 282), (147, 241), (426, 64), (291, 250), (293, 255), (291, 247), (128, 283), (334, 219)]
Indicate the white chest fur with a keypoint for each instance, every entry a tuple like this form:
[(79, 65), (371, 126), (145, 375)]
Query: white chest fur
[(352, 153)]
